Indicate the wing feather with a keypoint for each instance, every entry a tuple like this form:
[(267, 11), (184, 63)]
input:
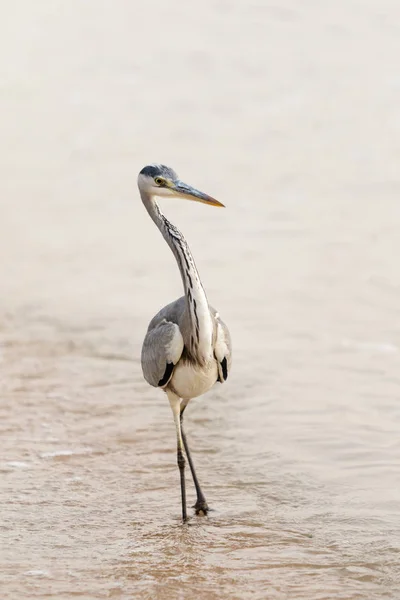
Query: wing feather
[(222, 348), (162, 349)]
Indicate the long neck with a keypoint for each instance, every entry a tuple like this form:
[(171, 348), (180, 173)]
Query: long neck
[(199, 328)]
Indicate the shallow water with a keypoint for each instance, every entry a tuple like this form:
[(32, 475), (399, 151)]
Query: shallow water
[(290, 116)]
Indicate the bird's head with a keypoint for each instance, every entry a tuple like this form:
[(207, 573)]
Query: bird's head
[(162, 181)]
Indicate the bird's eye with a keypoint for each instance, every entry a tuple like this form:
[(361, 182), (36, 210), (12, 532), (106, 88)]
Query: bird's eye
[(159, 180)]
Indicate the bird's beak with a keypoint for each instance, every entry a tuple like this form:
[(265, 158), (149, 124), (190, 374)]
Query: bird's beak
[(183, 190)]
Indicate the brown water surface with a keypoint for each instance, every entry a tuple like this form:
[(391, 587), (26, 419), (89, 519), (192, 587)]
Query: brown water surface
[(289, 113)]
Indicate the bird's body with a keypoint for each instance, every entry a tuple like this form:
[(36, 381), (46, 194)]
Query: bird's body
[(187, 347), (190, 377), (190, 380)]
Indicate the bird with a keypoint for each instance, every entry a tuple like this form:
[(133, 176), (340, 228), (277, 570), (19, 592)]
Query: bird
[(187, 347)]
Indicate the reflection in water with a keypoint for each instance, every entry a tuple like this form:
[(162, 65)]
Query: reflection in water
[(293, 127)]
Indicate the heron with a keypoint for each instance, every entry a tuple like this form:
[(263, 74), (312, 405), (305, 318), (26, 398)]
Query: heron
[(187, 347)]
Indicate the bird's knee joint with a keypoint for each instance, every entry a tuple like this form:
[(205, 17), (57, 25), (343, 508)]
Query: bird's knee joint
[(181, 460)]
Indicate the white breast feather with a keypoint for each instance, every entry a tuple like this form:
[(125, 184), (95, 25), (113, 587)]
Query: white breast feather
[(190, 381)]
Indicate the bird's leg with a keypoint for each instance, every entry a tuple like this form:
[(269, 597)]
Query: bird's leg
[(175, 403), (201, 505)]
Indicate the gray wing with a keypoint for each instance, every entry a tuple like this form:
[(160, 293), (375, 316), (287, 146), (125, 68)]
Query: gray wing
[(162, 346), (222, 346), (171, 312)]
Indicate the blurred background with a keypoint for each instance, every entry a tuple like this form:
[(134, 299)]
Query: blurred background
[(289, 113)]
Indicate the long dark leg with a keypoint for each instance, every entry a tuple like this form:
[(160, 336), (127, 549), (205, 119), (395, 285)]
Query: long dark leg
[(175, 405), (181, 465), (201, 505)]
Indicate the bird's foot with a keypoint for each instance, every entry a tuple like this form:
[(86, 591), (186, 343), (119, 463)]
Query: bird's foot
[(201, 507)]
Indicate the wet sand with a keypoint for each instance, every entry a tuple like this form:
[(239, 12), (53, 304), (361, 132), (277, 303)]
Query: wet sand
[(290, 116)]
